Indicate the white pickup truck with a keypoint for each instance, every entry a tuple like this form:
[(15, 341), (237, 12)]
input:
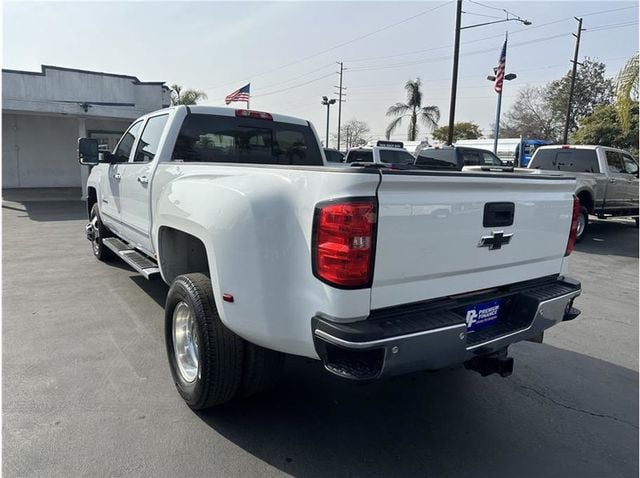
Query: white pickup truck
[(375, 271)]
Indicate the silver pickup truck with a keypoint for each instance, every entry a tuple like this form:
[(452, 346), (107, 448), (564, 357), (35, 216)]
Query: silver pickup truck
[(606, 179)]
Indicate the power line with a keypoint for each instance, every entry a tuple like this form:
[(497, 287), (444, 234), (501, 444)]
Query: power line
[(611, 26), (340, 45), (293, 87), (491, 37)]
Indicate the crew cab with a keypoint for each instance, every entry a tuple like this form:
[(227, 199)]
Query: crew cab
[(375, 271), (607, 179), (385, 152)]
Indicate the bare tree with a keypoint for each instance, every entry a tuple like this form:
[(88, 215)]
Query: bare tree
[(354, 133)]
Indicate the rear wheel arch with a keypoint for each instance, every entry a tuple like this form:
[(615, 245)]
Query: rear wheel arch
[(586, 200), (180, 253)]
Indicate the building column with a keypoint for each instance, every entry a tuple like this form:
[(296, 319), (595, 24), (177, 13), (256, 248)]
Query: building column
[(84, 170)]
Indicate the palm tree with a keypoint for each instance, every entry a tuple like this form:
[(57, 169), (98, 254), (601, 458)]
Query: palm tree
[(627, 90), (427, 115), (179, 96)]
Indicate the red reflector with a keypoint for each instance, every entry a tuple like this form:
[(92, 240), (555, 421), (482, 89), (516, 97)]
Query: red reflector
[(343, 242), (253, 114), (227, 297), (573, 232), (566, 146)]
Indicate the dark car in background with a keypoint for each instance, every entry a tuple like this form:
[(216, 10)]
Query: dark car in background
[(333, 155), (455, 158)]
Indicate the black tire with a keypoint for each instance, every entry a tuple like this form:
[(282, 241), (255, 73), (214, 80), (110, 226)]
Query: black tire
[(101, 252), (585, 216), (262, 369), (219, 351)]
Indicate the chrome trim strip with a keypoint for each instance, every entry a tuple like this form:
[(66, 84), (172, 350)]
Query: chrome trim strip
[(570, 295), (361, 345)]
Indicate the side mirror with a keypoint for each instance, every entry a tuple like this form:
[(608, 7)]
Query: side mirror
[(88, 151)]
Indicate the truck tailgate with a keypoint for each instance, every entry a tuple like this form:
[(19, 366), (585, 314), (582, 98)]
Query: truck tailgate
[(430, 227)]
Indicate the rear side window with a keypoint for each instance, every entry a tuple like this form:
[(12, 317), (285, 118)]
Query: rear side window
[(365, 156), (150, 139), (396, 156), (229, 139), (438, 159), (573, 160), (614, 161), (630, 166)]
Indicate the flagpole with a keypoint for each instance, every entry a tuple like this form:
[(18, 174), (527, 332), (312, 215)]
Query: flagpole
[(499, 105)]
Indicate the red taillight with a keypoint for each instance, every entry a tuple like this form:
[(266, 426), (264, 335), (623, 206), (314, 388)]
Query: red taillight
[(343, 242), (566, 146), (573, 232), (253, 114)]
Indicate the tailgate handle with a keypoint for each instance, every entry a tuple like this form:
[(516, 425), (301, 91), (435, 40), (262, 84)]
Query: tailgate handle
[(498, 214)]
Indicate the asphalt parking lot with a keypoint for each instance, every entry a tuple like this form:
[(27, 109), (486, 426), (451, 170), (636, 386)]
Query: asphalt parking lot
[(87, 390)]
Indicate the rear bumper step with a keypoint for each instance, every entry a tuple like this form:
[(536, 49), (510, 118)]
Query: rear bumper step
[(433, 335), (135, 259)]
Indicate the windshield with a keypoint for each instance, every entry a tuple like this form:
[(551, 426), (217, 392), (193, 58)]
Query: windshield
[(229, 139)]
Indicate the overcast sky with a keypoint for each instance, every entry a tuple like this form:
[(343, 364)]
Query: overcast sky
[(288, 50)]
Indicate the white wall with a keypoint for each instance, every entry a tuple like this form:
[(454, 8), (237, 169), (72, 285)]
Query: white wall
[(40, 151)]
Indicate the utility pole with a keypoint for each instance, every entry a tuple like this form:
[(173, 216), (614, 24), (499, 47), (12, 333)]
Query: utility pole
[(454, 79), (340, 94), (573, 80)]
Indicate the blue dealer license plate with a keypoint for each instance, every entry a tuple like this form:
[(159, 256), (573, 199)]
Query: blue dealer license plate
[(482, 315)]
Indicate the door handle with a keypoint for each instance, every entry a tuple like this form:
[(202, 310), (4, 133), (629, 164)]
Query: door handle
[(117, 176), (612, 180), (143, 179)]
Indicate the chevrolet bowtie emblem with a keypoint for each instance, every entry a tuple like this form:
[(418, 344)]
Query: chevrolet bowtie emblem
[(496, 240)]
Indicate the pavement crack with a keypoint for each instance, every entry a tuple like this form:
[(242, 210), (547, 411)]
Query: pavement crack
[(576, 409)]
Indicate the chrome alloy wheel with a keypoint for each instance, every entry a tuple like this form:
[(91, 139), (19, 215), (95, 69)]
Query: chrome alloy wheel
[(185, 342), (581, 225), (95, 232)]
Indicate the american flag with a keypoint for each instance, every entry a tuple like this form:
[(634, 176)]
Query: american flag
[(239, 95), (502, 64)]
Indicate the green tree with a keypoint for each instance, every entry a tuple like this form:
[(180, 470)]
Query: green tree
[(604, 127), (592, 88), (180, 96), (413, 109), (464, 130), (627, 91)]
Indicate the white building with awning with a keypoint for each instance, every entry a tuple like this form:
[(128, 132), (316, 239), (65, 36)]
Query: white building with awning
[(44, 113)]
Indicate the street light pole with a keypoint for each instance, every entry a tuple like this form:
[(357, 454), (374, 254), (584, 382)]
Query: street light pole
[(454, 76), (456, 56), (327, 102), (496, 133)]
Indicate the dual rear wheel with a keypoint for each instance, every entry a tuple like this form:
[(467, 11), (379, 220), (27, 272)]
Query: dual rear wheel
[(210, 364)]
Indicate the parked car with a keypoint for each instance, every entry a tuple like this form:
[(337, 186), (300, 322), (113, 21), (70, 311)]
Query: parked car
[(374, 271), (333, 155), (509, 149), (607, 179), (455, 158), (385, 152)]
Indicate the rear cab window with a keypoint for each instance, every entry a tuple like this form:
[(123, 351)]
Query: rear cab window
[(395, 156), (571, 159), (438, 159), (227, 139), (360, 155)]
